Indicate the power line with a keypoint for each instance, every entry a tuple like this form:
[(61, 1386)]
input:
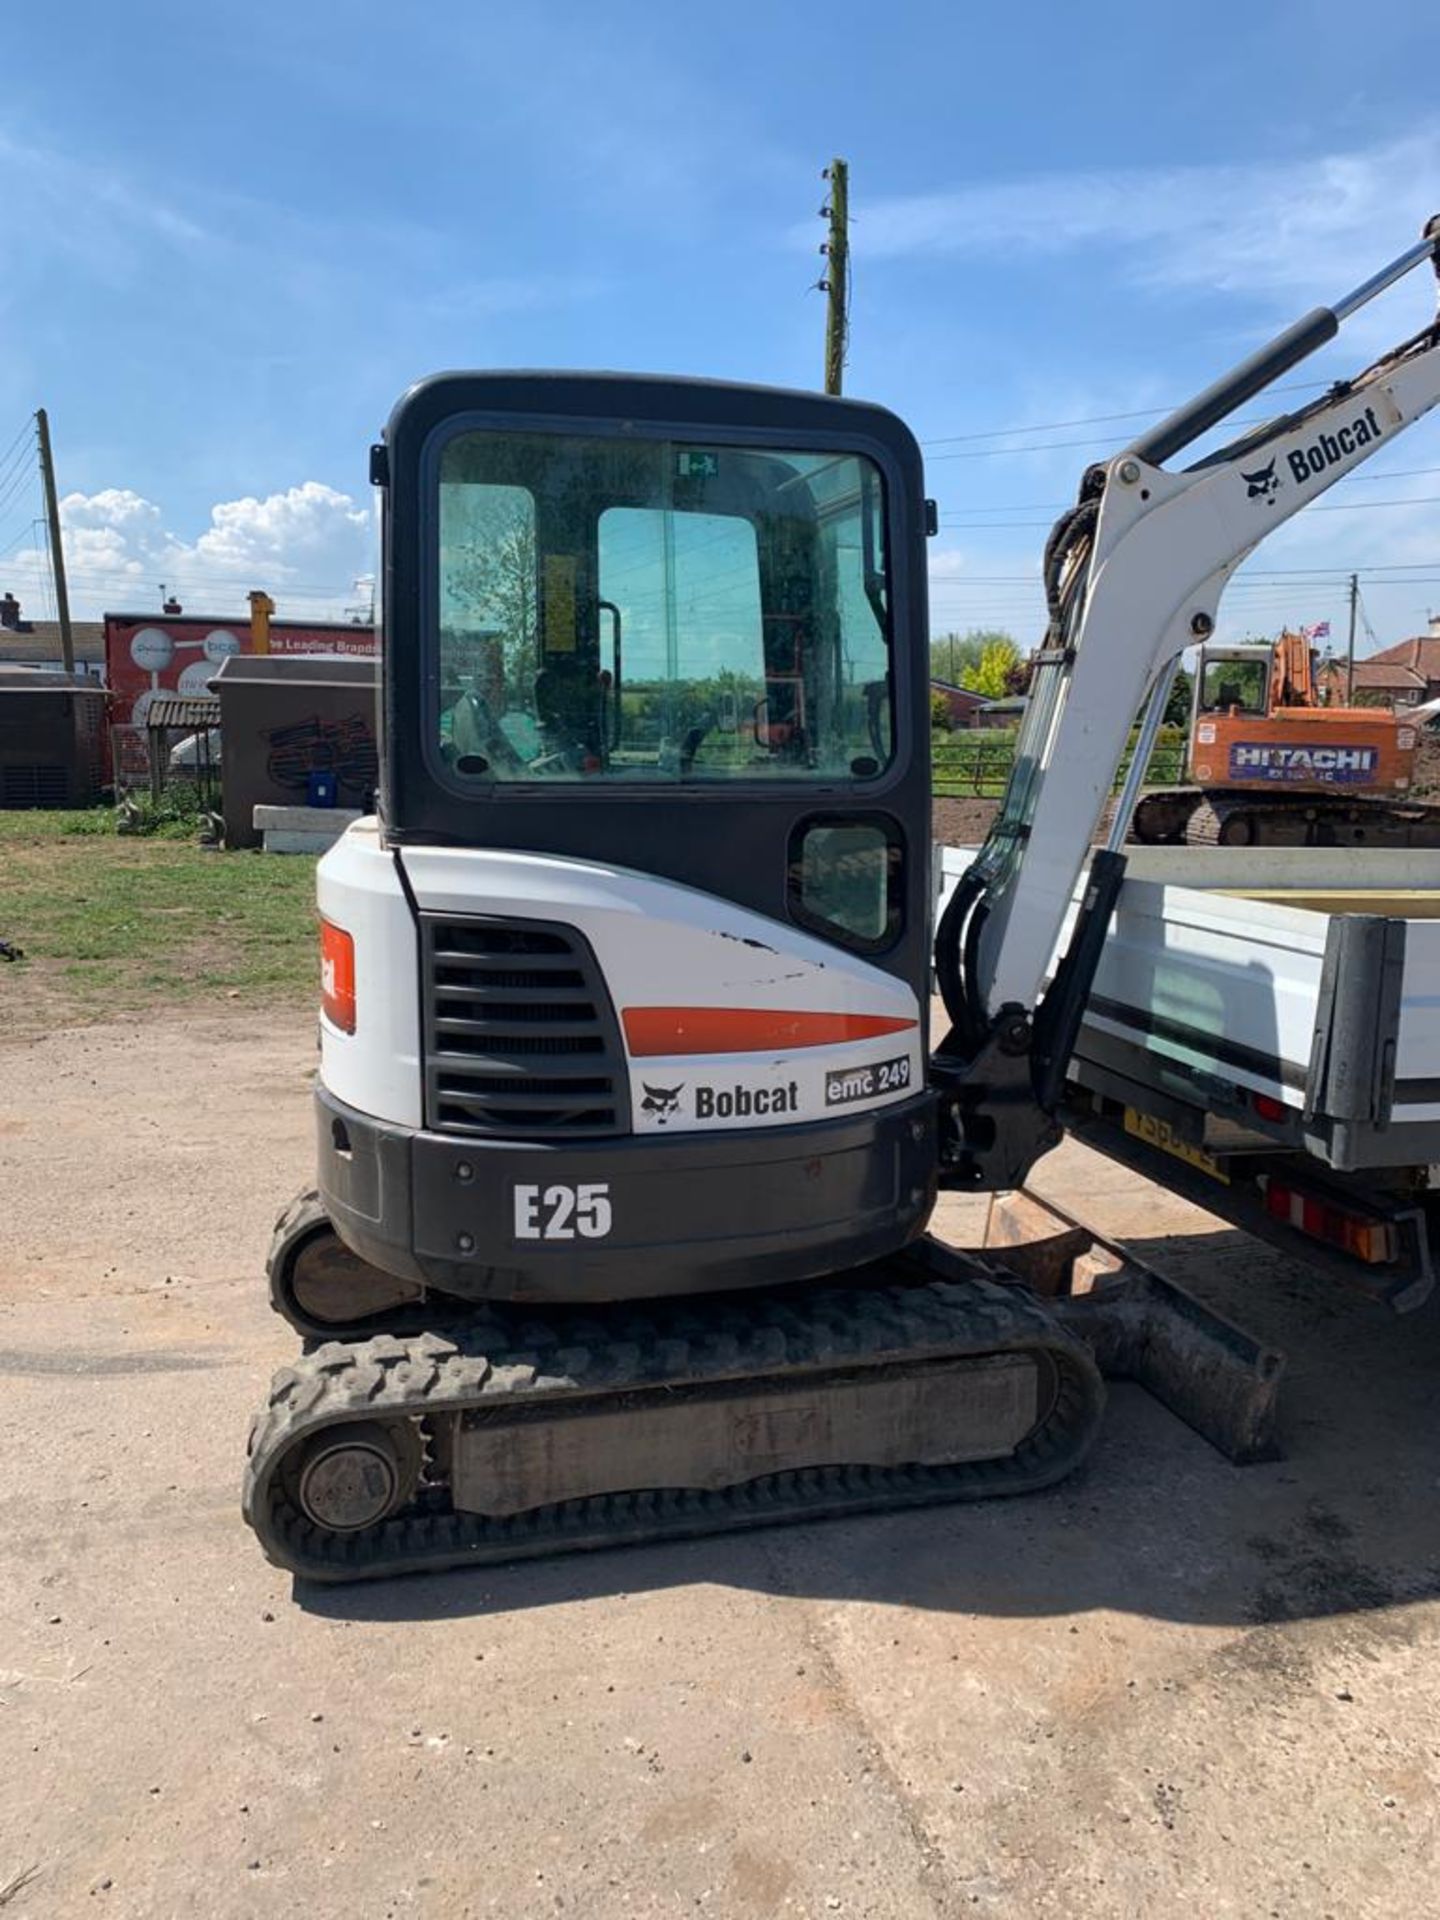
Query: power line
[(17, 451), (16, 486), (1060, 506), (26, 426), (24, 534), (1103, 419), (1343, 506), (20, 464)]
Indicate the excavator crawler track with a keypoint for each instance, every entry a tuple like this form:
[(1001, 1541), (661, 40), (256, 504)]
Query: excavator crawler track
[(382, 1456), (326, 1292), (1214, 819)]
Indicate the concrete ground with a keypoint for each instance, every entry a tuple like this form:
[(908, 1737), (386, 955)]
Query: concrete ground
[(1168, 1686)]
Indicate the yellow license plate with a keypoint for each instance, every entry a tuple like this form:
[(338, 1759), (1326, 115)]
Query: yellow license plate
[(1159, 1133)]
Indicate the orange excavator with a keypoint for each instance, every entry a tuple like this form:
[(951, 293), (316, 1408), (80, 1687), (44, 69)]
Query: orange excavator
[(1275, 765)]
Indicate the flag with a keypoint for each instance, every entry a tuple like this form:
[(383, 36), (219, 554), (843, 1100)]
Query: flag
[(1322, 632)]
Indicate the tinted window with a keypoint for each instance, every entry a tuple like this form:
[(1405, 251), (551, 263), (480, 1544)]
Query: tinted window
[(845, 880), (641, 610)]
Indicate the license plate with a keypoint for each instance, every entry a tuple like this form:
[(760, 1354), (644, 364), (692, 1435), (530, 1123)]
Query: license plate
[(1159, 1133)]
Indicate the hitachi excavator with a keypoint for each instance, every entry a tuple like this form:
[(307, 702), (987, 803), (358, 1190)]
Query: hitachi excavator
[(628, 1123), (1275, 765)]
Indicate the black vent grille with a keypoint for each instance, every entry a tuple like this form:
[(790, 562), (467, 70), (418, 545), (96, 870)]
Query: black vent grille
[(34, 786), (521, 1040)]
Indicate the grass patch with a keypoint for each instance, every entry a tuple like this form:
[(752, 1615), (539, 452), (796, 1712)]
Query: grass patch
[(112, 925)]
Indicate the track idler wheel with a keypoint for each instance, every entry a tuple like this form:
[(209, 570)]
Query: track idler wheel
[(355, 1475), (324, 1290)]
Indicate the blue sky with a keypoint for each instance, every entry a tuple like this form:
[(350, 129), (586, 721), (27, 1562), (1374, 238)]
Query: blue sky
[(229, 237)]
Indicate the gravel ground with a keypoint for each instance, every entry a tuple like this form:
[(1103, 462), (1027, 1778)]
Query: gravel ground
[(1167, 1686)]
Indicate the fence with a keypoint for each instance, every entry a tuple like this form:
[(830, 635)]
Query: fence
[(980, 763)]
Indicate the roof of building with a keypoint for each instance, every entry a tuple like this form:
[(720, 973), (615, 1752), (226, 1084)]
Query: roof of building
[(1421, 654), (1383, 678), (949, 687), (39, 641), (280, 620), (183, 710)]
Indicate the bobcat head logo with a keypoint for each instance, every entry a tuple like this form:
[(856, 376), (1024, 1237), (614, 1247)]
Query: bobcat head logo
[(1262, 485), (663, 1102)]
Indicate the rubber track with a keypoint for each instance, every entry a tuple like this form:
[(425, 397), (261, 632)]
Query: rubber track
[(307, 1215), (1399, 823), (445, 1372)]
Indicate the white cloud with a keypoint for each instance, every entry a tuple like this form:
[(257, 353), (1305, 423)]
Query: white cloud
[(306, 527), (1309, 225), (306, 546)]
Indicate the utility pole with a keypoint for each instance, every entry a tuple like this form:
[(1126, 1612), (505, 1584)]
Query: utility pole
[(837, 270), (1350, 649), (57, 551)]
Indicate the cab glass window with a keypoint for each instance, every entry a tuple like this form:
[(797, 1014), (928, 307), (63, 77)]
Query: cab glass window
[(845, 880), (651, 612), (1240, 684)]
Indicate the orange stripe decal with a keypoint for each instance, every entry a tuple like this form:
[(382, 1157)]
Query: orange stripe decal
[(667, 1030)]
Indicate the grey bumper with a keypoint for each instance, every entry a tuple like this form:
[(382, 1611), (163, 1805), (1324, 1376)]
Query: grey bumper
[(693, 1213)]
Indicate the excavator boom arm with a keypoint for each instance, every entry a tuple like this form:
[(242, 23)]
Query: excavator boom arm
[(1135, 574)]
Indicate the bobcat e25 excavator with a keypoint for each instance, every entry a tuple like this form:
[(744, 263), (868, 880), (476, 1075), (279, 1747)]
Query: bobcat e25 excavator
[(629, 1126)]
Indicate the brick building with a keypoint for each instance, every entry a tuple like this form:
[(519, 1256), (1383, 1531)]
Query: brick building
[(1405, 675)]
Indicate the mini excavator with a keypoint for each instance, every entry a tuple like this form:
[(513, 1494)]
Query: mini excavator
[(629, 1125)]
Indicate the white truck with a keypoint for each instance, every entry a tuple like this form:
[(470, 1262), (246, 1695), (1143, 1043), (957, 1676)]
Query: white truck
[(1263, 1035)]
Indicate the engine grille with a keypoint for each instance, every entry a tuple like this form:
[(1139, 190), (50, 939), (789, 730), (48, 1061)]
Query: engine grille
[(521, 1039)]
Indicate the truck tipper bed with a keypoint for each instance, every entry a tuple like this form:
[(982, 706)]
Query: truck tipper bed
[(1263, 1035)]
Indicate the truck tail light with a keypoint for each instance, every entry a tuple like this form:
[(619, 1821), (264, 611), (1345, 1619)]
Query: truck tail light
[(1360, 1234), (337, 976), (1268, 1107)]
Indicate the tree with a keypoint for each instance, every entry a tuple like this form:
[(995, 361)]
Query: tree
[(954, 657), (939, 713), (999, 658), (1177, 707)]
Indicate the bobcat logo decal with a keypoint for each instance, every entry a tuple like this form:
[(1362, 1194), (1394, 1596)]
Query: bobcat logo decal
[(663, 1102), (1263, 484)]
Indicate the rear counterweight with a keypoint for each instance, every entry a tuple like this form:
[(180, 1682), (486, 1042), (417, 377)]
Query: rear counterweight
[(629, 1217)]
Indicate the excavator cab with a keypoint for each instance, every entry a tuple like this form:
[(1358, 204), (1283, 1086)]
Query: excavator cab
[(669, 625), (1233, 680)]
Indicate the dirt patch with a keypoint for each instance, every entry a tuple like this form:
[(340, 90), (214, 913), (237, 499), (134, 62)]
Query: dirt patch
[(962, 823), (1101, 1701)]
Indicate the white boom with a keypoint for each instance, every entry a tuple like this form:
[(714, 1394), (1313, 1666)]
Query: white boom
[(1136, 572)]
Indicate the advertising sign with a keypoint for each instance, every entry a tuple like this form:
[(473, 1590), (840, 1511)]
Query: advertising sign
[(145, 656)]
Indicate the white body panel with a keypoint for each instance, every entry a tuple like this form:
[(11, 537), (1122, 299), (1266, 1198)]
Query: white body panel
[(376, 1069), (1419, 1043), (1181, 948), (664, 950)]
